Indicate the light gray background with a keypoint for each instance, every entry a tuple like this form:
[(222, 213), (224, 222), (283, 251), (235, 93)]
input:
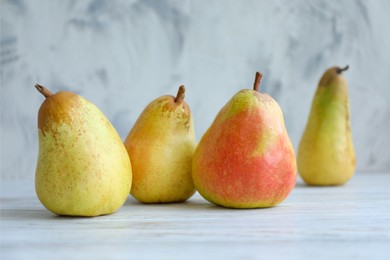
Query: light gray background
[(122, 54)]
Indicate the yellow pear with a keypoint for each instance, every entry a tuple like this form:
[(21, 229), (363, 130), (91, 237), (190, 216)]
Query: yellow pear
[(83, 168), (161, 145), (326, 153)]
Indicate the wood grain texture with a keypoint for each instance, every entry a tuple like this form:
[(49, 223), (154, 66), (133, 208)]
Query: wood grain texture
[(348, 222)]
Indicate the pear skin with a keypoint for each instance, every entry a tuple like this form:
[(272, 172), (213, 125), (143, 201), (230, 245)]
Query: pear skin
[(161, 145), (83, 168), (326, 154), (245, 159)]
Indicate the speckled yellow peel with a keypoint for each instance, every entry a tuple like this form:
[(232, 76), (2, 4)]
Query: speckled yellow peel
[(326, 153), (161, 145), (83, 168)]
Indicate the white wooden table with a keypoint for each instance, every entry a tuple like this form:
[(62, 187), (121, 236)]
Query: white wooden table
[(348, 222)]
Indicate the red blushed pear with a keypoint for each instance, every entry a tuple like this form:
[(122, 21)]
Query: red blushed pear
[(245, 159)]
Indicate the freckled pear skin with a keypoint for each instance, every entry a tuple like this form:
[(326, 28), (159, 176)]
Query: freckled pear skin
[(326, 154), (161, 145), (245, 159), (83, 168)]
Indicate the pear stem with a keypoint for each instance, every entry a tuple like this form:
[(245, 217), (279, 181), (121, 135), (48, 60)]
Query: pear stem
[(339, 70), (44, 91), (257, 81), (180, 94)]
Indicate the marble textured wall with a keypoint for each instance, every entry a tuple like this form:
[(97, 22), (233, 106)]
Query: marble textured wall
[(122, 54)]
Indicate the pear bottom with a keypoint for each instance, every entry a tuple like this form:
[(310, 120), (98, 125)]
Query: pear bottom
[(325, 174), (318, 178)]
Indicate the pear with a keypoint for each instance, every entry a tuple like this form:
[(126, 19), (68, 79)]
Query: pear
[(161, 145), (326, 153), (245, 159), (83, 168)]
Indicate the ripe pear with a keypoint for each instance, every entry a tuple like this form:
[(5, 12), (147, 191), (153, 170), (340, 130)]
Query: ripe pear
[(326, 153), (245, 159), (83, 168), (161, 145)]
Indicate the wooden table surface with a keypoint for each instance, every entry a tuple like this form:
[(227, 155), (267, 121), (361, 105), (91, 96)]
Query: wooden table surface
[(347, 222)]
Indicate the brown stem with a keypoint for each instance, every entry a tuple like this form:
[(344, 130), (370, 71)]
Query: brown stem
[(339, 70), (257, 81), (180, 94), (44, 91)]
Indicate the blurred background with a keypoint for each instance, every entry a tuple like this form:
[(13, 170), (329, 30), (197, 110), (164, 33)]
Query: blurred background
[(123, 54)]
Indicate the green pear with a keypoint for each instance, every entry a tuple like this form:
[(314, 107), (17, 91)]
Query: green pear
[(83, 168), (245, 159), (161, 145), (326, 153)]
